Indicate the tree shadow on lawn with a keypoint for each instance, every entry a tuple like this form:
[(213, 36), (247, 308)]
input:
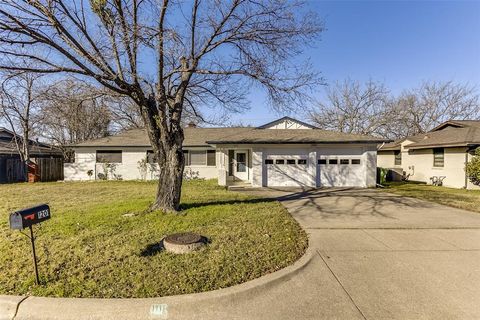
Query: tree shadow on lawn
[(190, 205), (370, 202)]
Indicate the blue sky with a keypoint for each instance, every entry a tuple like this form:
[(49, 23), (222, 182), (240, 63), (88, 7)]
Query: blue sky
[(400, 43)]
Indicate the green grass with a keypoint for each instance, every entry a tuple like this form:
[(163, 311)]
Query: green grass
[(458, 198), (90, 249)]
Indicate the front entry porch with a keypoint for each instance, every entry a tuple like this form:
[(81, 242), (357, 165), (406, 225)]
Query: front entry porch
[(235, 167)]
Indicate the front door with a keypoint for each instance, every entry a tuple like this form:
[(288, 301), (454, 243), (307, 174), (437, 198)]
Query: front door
[(240, 168)]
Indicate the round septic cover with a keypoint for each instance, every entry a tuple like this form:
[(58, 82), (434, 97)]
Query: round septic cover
[(184, 238)]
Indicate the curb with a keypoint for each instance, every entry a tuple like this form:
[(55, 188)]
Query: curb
[(9, 306), (31, 307)]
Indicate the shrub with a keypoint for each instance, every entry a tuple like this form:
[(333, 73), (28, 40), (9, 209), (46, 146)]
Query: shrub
[(473, 168)]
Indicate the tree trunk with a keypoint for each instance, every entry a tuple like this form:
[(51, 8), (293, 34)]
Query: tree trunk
[(169, 189)]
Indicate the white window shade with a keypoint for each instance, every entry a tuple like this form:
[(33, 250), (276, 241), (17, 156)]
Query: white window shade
[(198, 158)]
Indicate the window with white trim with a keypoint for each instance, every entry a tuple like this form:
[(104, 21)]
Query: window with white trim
[(109, 156), (198, 157), (398, 157), (438, 157)]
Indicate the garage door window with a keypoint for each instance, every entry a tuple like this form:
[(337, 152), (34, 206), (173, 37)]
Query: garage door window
[(268, 161), (344, 161), (322, 161), (333, 161), (279, 161), (355, 161), (290, 161), (302, 161)]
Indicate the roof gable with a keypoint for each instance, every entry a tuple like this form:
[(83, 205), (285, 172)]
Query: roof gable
[(456, 124), (5, 133), (287, 123)]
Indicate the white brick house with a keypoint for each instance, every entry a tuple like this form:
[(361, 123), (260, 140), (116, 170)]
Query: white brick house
[(285, 152)]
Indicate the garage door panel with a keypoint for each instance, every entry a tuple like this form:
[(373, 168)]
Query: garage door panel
[(351, 174), (288, 175), (285, 169)]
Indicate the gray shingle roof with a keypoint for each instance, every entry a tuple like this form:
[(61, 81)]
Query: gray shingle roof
[(139, 137), (239, 135), (264, 136), (8, 147), (453, 133), (449, 137)]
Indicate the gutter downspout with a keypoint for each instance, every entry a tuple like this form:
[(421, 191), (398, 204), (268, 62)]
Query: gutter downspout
[(466, 176)]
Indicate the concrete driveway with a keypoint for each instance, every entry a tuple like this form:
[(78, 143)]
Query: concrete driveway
[(372, 255), (393, 257)]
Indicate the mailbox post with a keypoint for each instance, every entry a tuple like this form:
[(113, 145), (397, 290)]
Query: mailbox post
[(26, 218)]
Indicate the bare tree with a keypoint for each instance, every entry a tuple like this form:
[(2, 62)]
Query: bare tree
[(353, 108), (204, 50), (371, 109), (73, 111), (421, 109), (125, 114), (19, 104)]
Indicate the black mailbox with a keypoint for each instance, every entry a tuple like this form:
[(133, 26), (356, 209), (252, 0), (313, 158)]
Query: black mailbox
[(28, 217)]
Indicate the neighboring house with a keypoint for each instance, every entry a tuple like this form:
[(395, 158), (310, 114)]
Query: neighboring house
[(438, 155), (285, 152), (47, 160)]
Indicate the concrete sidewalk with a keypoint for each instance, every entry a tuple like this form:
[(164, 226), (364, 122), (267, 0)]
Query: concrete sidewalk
[(372, 255)]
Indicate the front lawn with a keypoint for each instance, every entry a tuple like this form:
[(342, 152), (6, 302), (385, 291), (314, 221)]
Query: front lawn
[(101, 242), (458, 198)]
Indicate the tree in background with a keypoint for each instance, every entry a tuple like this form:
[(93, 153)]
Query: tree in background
[(422, 109), (205, 51), (20, 103), (73, 111), (352, 107), (370, 108)]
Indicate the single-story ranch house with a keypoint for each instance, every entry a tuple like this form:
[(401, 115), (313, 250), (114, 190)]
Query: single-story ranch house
[(436, 156), (285, 152)]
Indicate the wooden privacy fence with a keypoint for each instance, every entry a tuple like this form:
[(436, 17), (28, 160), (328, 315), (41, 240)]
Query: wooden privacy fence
[(15, 170), (49, 169)]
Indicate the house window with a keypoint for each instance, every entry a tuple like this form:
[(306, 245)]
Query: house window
[(231, 155), (109, 156), (290, 161), (344, 161), (438, 157), (355, 161), (332, 161), (186, 156), (151, 157), (398, 157), (279, 161), (211, 161), (322, 161), (197, 157), (268, 161), (302, 161)]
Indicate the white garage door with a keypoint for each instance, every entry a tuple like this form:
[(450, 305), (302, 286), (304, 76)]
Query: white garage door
[(340, 172), (287, 171)]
